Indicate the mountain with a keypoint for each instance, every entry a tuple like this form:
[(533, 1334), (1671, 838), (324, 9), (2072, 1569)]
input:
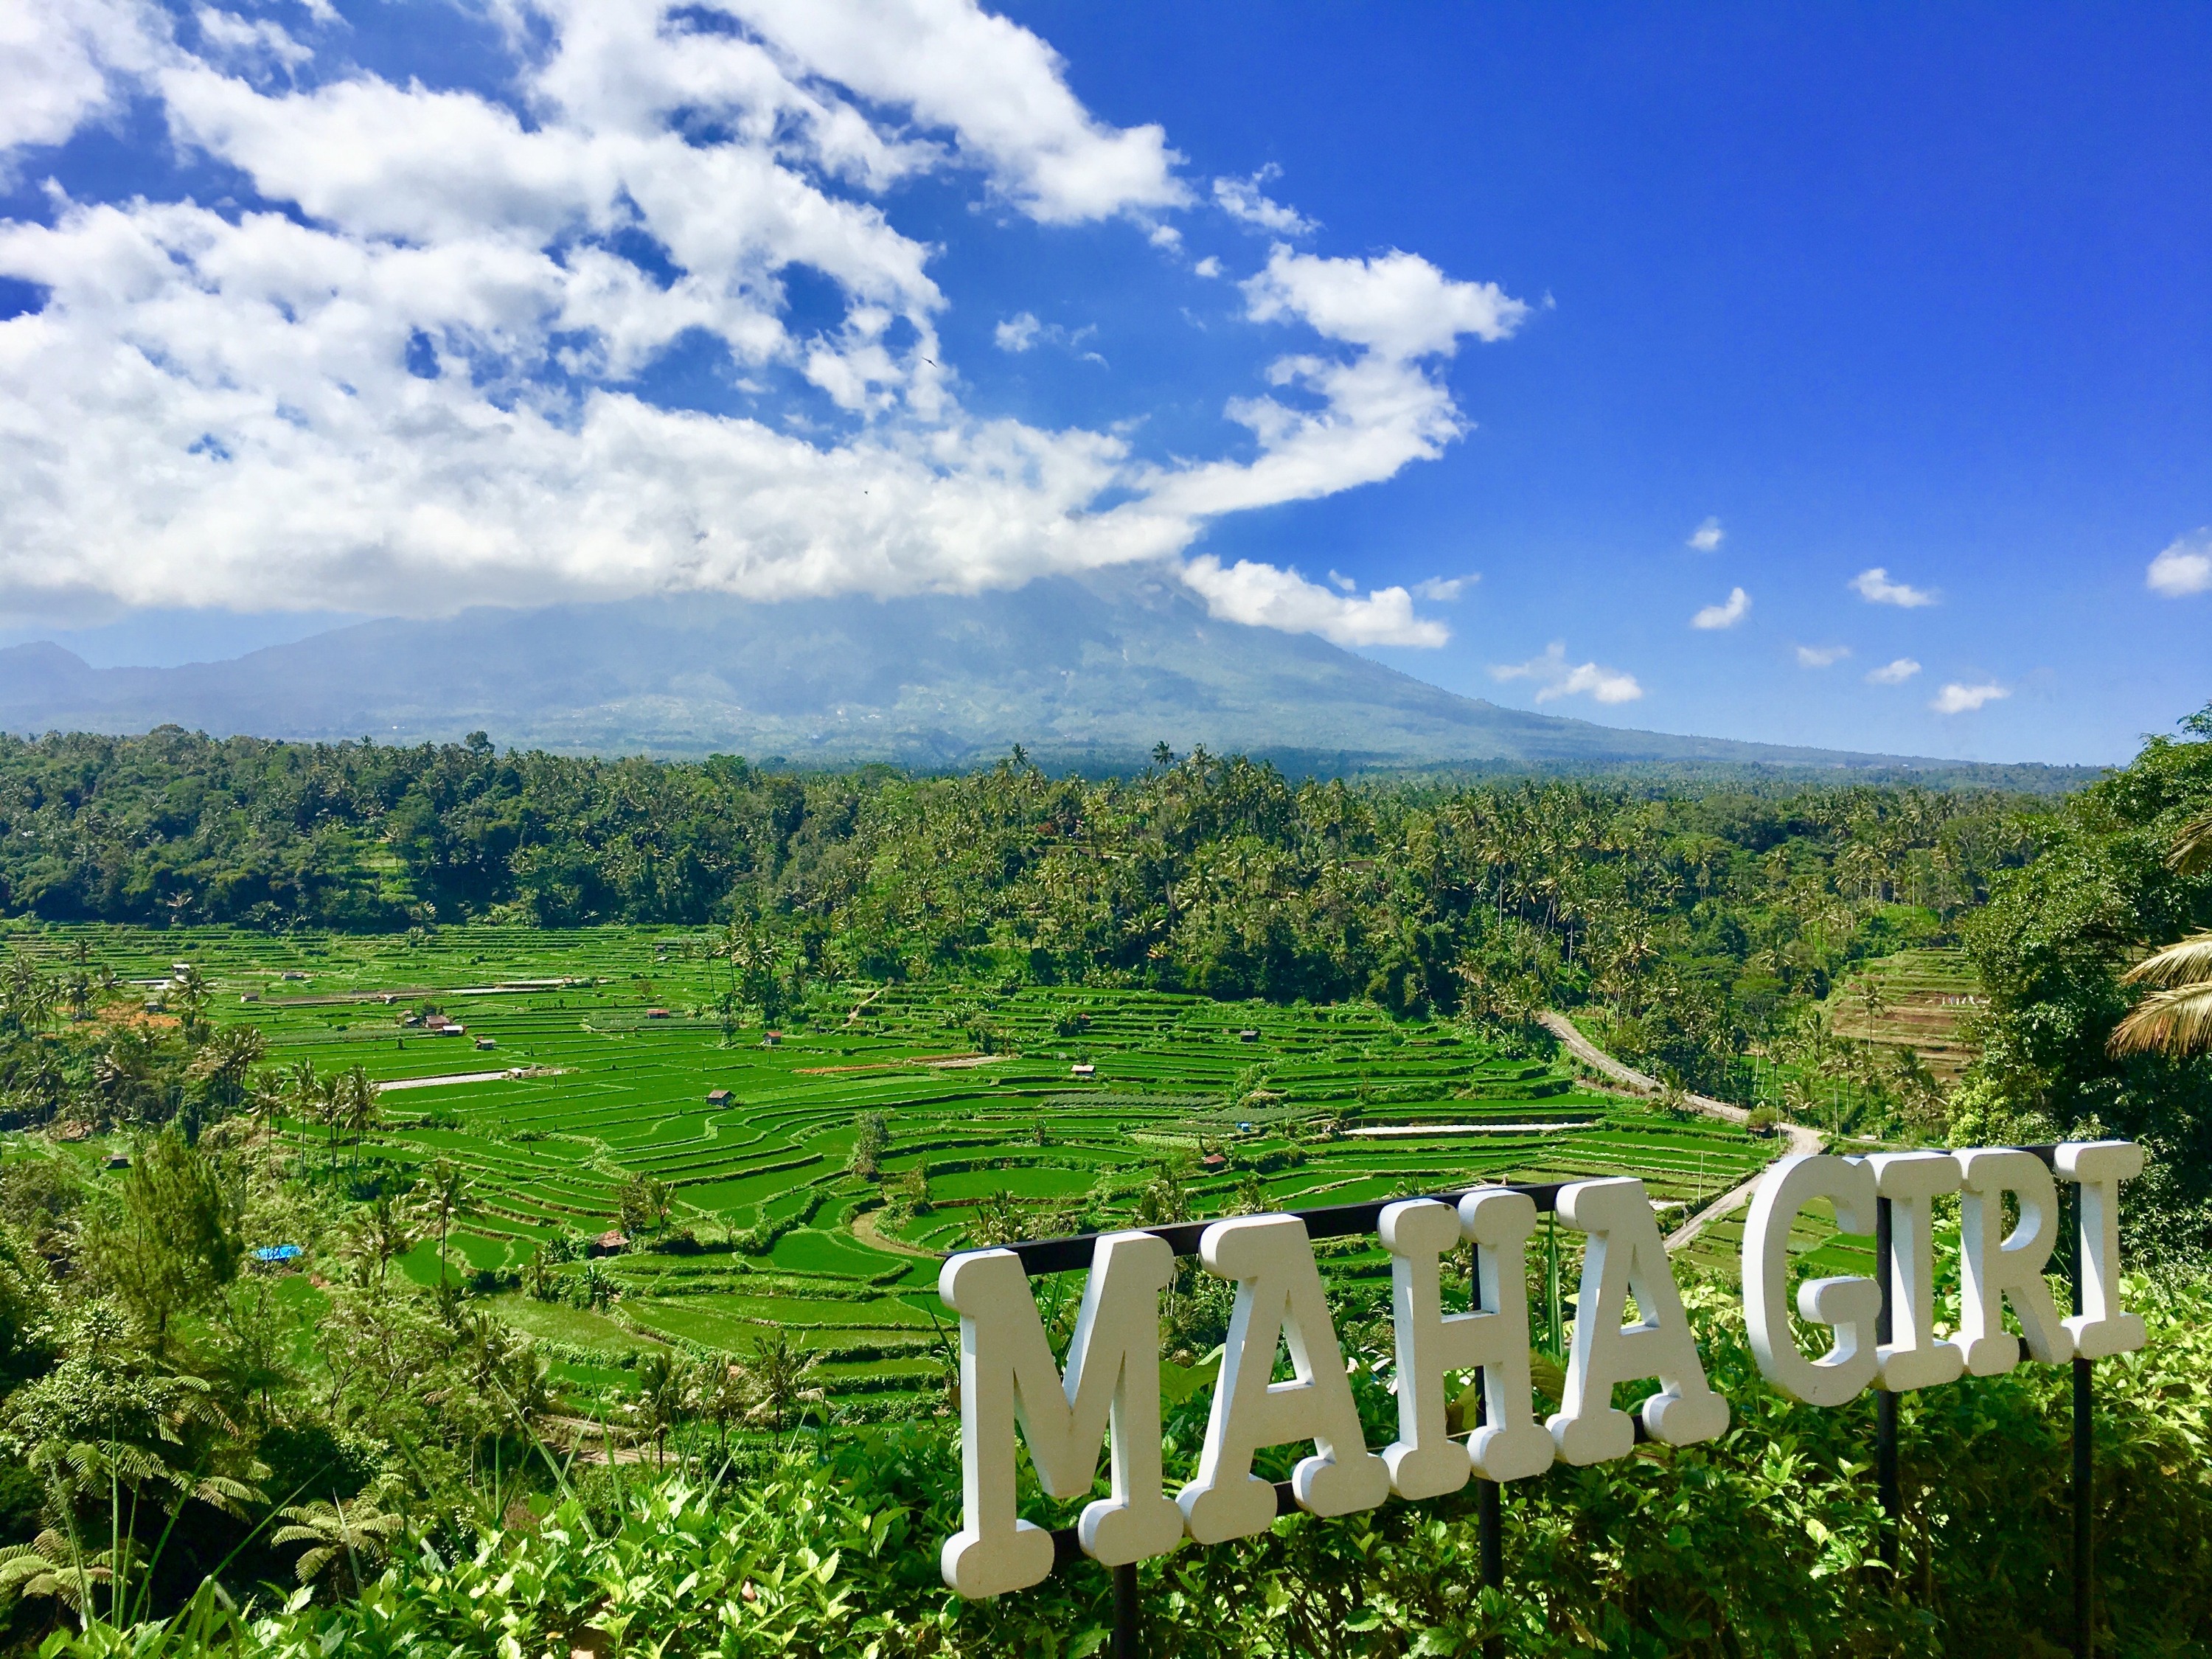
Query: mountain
[(1089, 673)]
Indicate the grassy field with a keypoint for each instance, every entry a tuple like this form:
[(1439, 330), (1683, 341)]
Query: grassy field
[(589, 1057)]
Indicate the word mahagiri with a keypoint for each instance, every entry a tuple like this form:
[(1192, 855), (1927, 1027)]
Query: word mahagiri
[(1010, 1382)]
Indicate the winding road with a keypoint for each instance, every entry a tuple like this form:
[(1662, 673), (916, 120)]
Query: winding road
[(1801, 1139)]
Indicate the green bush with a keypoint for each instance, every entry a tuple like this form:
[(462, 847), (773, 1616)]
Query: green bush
[(1764, 1542)]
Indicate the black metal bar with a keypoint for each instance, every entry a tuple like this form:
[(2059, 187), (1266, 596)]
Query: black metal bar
[(1128, 1632), (1884, 1405), (2084, 1563), (1489, 1523), (1070, 1254)]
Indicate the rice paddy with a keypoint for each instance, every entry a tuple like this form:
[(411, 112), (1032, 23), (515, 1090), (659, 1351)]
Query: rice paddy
[(585, 1060), (1915, 999)]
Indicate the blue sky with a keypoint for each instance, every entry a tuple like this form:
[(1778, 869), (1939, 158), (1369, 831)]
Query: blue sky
[(1441, 331)]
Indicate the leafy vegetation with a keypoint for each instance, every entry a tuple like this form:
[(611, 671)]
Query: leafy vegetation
[(1765, 1543), (463, 1202), (2055, 946)]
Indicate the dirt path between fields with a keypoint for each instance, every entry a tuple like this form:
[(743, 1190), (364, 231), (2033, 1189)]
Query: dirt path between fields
[(865, 1229), (1797, 1139)]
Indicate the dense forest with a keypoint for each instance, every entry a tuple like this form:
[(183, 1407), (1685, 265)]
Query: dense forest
[(1704, 930), (1697, 915), (157, 1431)]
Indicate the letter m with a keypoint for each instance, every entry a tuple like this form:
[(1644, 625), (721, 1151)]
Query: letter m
[(1007, 1377)]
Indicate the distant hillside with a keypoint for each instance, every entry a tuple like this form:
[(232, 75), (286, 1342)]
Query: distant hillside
[(1090, 673)]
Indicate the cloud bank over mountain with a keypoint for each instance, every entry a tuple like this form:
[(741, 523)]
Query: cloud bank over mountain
[(403, 366)]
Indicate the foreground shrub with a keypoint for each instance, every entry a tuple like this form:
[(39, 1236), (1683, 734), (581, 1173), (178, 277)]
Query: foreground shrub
[(1764, 1542)]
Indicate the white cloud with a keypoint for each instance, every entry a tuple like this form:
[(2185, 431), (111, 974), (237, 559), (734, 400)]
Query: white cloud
[(1737, 607), (1876, 587), (61, 63), (2182, 569), (1243, 199), (1822, 656), (416, 387), (1023, 330), (1341, 581), (1443, 589), (1381, 409), (1955, 699), (1209, 266), (254, 44), (1556, 677), (1707, 536), (1892, 673), (1397, 304), (997, 86), (1262, 596)]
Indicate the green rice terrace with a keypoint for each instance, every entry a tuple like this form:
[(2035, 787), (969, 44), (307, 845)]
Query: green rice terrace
[(1914, 1001), (559, 1070)]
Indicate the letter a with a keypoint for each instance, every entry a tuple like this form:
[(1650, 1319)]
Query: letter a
[(1007, 1376), (1278, 1299), (1625, 1254)]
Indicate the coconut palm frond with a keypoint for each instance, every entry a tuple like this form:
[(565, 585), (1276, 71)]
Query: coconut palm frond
[(2189, 962), (2176, 1020), (2193, 848)]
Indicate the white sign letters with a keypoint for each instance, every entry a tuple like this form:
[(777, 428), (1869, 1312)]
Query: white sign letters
[(1424, 1462), (1110, 1392), (1279, 1300), (1848, 1306)]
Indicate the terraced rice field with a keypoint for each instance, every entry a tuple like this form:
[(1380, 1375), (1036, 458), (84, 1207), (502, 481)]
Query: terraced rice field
[(1921, 998), (603, 1056)]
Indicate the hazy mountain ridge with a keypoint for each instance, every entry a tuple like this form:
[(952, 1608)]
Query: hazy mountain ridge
[(1092, 672)]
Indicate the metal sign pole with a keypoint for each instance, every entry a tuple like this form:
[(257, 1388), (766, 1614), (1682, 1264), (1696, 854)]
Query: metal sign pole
[(2083, 1636), (1885, 1402), (1491, 1544)]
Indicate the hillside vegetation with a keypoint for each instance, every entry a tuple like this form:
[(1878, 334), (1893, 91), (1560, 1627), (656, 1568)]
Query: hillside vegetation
[(1702, 919), (617, 1332)]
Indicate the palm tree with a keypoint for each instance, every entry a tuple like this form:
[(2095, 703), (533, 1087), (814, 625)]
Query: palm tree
[(267, 1097), (375, 1234), (445, 1191), (223, 1063), (305, 1089), (191, 990), (26, 997), (779, 1376), (2176, 1017), (724, 1393), (666, 1392), (355, 1108)]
